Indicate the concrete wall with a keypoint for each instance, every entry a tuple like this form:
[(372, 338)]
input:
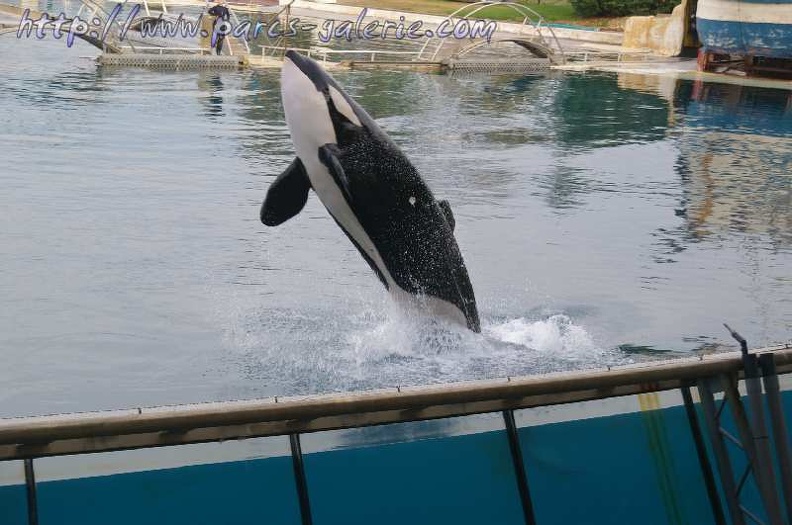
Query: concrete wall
[(661, 34)]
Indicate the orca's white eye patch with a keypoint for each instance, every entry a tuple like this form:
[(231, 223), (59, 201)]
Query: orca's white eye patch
[(343, 106)]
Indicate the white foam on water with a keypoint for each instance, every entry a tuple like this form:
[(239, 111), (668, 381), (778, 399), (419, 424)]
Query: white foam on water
[(557, 335), (377, 344)]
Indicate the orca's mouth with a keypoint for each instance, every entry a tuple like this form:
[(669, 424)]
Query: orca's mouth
[(310, 69)]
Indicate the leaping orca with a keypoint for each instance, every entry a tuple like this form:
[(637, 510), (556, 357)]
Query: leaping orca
[(372, 191)]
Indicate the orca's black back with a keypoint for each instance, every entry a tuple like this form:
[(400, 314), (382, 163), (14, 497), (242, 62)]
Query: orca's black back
[(406, 224)]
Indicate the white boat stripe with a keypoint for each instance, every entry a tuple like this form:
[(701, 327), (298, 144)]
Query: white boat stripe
[(731, 11)]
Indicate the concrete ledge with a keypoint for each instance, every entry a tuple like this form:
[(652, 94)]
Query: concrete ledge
[(172, 61), (662, 34)]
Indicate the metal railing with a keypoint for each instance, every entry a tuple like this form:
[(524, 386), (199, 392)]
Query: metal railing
[(323, 53), (30, 438), (531, 19), (177, 425)]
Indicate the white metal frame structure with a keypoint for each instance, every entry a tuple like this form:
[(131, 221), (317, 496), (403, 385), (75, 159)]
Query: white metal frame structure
[(530, 31)]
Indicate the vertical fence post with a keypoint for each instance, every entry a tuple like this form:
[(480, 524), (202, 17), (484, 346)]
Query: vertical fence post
[(754, 435), (519, 467), (299, 478), (711, 415), (30, 485), (780, 433), (704, 462)]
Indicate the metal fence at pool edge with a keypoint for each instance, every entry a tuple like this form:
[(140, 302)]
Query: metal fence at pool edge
[(36, 437)]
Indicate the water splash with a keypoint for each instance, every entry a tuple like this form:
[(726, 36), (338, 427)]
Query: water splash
[(302, 352), (557, 336)]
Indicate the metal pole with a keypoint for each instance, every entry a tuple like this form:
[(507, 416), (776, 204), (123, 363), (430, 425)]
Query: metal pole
[(780, 434), (752, 442), (721, 455), (754, 430), (519, 467), (285, 33), (299, 478), (30, 485), (704, 462)]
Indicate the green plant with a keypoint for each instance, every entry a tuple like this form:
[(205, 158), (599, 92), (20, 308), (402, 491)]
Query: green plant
[(587, 8), (622, 7)]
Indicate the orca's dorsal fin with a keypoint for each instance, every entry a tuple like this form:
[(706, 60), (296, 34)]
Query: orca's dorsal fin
[(449, 215), (287, 195), (328, 155)]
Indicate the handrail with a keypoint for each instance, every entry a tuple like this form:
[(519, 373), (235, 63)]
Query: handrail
[(323, 52), (165, 50), (13, 9), (287, 11), (175, 425), (523, 10), (245, 44), (329, 51)]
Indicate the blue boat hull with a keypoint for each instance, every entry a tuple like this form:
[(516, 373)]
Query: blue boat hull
[(744, 28)]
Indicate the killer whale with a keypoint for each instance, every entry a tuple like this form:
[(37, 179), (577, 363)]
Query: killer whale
[(373, 193)]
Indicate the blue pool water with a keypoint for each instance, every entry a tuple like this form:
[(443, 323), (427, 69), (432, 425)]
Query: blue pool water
[(603, 219)]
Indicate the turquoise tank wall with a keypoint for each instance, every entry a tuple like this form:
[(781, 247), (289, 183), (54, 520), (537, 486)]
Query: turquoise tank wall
[(231, 493), (459, 480), (628, 468), (13, 505)]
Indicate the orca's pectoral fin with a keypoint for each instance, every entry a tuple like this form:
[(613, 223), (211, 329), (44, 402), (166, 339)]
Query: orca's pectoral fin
[(287, 195), (328, 155), (449, 215)]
